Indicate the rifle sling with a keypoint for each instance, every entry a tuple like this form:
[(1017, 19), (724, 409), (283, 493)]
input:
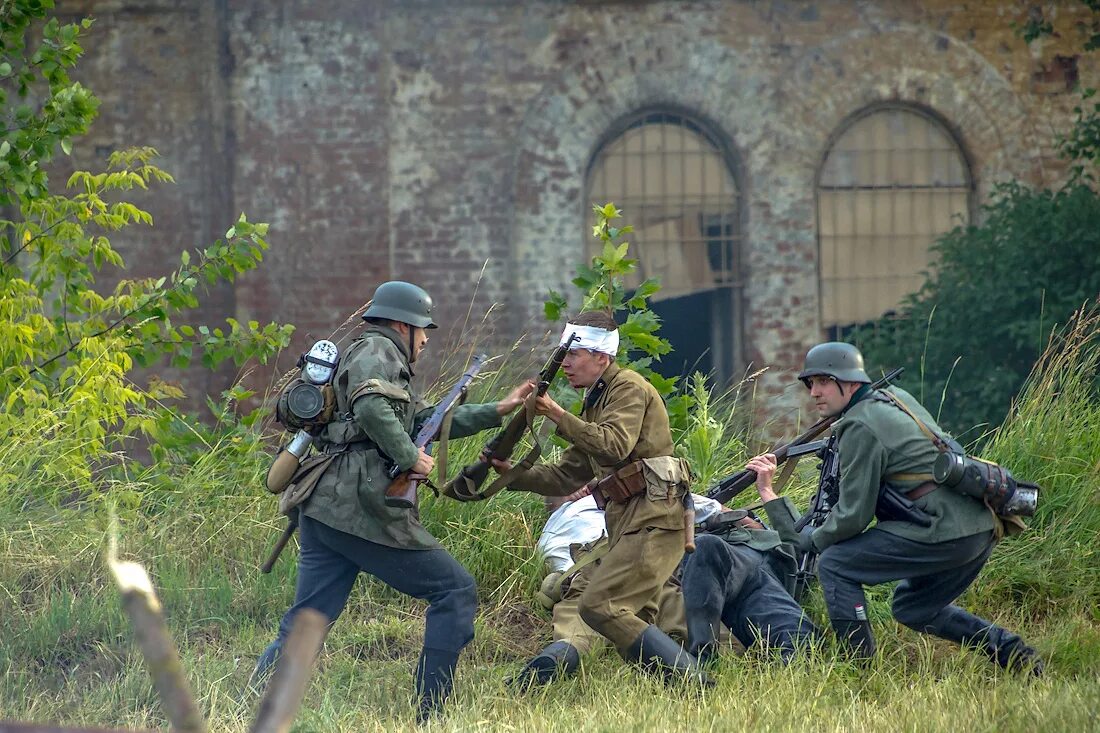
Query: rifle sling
[(785, 475), (598, 550), (525, 463), (444, 436)]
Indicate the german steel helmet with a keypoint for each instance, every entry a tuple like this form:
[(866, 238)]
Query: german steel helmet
[(403, 302), (835, 359)]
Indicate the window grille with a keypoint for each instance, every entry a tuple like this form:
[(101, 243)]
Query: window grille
[(892, 182), (674, 182), (675, 186)]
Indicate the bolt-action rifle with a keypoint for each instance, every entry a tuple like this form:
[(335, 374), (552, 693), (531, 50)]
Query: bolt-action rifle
[(466, 486), (734, 484), (402, 491)]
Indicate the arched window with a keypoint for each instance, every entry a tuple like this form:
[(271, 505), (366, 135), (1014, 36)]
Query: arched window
[(892, 182), (673, 180)]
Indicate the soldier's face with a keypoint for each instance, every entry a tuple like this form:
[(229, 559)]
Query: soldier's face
[(583, 367), (828, 396), (420, 340)]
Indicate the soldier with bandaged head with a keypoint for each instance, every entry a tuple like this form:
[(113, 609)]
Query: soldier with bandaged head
[(620, 445)]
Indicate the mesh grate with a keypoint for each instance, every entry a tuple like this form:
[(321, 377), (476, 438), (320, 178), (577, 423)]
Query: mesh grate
[(675, 186), (893, 181)]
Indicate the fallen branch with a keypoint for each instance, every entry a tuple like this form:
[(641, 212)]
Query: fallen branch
[(292, 673)]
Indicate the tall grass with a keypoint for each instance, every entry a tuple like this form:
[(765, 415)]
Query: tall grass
[(203, 526)]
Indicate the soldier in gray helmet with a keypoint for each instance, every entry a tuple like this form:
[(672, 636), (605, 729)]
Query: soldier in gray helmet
[(346, 527), (881, 442)]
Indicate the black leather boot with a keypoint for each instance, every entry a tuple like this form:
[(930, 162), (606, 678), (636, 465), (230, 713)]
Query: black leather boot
[(434, 680), (856, 636), (1004, 648), (559, 659), (655, 651)]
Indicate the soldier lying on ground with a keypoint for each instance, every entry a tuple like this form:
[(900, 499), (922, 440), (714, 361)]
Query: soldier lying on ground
[(730, 581)]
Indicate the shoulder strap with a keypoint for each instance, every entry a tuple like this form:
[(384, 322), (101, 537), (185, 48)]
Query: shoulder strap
[(939, 442)]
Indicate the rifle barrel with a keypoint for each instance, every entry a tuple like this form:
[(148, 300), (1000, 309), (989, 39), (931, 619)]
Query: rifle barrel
[(734, 484)]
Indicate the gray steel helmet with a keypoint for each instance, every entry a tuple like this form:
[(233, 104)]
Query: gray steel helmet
[(401, 301), (835, 359)]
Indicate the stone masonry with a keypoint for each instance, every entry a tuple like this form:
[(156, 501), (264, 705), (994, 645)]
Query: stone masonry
[(446, 141)]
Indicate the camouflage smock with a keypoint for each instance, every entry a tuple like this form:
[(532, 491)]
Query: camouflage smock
[(378, 427)]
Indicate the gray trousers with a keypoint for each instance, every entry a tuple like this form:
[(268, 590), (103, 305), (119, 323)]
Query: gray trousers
[(733, 584), (932, 576), (331, 560)]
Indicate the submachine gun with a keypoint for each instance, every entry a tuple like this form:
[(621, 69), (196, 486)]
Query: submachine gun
[(822, 502), (466, 486)]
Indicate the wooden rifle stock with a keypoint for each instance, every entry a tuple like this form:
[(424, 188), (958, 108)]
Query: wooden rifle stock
[(279, 546), (504, 443), (733, 485), (401, 493)]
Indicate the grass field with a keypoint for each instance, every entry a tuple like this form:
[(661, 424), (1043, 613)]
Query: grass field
[(202, 525)]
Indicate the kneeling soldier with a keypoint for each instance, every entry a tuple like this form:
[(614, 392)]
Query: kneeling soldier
[(622, 437), (936, 548)]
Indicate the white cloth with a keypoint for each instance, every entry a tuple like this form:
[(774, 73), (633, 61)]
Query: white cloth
[(592, 338), (574, 521), (580, 522)]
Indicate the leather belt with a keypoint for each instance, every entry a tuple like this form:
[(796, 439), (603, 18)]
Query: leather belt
[(355, 445), (923, 490)]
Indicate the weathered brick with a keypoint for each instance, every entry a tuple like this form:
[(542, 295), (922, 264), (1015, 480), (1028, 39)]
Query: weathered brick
[(423, 139)]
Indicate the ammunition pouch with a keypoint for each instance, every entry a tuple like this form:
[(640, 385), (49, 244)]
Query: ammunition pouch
[(305, 406), (893, 505), (663, 477)]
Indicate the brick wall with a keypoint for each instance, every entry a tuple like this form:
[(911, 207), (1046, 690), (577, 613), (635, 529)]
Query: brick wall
[(446, 142)]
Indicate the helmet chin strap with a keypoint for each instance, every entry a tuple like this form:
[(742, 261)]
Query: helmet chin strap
[(412, 353)]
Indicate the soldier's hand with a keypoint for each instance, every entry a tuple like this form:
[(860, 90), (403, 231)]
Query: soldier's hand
[(580, 493), (424, 464), (545, 405), (515, 398), (765, 466), (501, 466)]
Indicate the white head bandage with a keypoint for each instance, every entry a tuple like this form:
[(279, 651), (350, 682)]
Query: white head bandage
[(592, 338)]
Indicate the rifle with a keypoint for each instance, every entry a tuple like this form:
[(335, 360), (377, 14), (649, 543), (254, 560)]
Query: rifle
[(402, 491), (284, 538), (466, 486), (824, 499), (734, 484)]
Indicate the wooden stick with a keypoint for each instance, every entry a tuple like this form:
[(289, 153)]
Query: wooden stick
[(292, 673), (142, 606), (9, 726)]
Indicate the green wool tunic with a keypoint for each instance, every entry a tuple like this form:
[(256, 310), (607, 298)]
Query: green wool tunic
[(380, 425), (875, 440)]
